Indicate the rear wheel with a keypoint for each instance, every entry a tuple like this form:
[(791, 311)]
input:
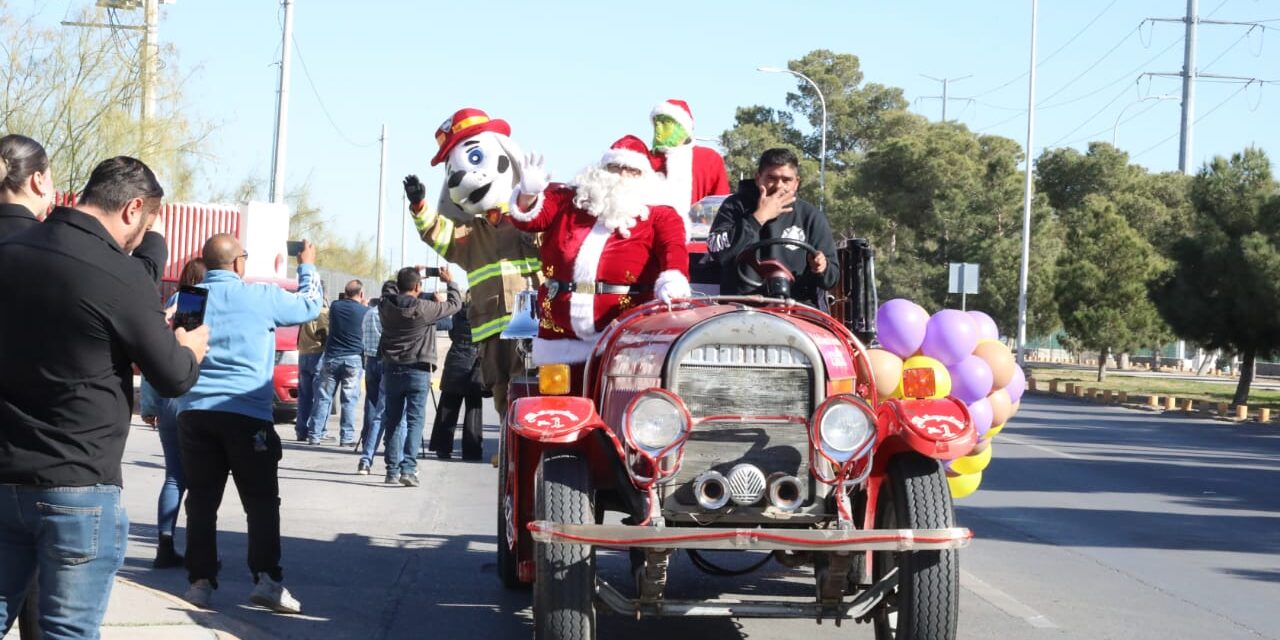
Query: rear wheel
[(508, 537), (564, 586), (926, 603)]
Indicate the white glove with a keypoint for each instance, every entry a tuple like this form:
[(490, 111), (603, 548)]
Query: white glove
[(672, 289), (533, 177)]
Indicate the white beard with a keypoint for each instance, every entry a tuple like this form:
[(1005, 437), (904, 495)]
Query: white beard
[(617, 202)]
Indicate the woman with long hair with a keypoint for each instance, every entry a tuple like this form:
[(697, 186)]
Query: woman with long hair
[(160, 413)]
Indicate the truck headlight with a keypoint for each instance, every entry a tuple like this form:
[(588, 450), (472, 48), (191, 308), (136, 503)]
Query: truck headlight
[(655, 421), (844, 429)]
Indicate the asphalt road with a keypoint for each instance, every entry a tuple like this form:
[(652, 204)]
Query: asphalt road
[(1092, 522)]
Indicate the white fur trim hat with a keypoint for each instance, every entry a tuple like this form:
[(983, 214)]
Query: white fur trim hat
[(677, 110), (630, 151)]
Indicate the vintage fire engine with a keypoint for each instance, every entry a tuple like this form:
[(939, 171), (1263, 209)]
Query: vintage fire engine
[(743, 423)]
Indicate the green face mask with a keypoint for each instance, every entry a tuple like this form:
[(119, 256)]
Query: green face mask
[(668, 133)]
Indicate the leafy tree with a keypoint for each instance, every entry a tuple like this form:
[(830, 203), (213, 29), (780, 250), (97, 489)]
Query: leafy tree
[(77, 92), (1224, 291), (1102, 281)]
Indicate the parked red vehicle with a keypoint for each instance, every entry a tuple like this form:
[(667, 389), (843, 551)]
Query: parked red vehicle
[(741, 423)]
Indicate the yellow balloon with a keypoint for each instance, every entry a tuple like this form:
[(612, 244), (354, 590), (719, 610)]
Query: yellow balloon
[(941, 378), (972, 463), (964, 486), (887, 369), (994, 431)]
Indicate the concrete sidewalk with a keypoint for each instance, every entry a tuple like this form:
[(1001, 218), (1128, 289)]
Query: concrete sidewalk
[(138, 612)]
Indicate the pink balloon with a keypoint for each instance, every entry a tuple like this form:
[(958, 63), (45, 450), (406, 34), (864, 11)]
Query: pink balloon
[(950, 336), (970, 379), (900, 326), (1016, 387), (980, 413), (986, 326)]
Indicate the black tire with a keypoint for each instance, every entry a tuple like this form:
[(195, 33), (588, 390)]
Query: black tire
[(926, 603), (564, 586), (508, 559)]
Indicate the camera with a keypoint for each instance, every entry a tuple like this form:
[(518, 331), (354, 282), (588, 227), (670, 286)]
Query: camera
[(431, 272), (294, 247)]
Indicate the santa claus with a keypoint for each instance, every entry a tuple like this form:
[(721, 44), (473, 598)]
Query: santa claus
[(692, 172), (604, 250)]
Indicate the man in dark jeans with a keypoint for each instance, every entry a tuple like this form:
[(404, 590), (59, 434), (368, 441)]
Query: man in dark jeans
[(343, 364), (66, 391), (767, 208), (409, 356), (224, 422)]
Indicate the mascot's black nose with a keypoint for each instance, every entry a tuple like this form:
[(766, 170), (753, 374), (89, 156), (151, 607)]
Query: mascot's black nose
[(456, 177), (479, 194)]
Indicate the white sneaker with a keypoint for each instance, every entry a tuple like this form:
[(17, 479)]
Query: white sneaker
[(274, 596), (199, 593)]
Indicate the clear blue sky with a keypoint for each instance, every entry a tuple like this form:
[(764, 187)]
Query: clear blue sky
[(571, 77)]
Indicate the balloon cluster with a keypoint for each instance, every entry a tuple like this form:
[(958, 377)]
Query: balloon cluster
[(969, 363)]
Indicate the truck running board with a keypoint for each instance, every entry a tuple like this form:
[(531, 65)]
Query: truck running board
[(617, 535)]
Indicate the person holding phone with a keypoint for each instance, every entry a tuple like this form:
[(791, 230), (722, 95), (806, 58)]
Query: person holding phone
[(225, 422), (66, 391)]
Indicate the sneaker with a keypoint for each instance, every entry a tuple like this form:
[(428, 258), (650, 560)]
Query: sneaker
[(347, 443), (409, 479), (392, 478), (312, 441), (362, 469), (167, 557), (274, 596), (199, 593), (443, 455)]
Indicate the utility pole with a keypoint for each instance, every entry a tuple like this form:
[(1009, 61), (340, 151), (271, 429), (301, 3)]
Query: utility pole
[(404, 233), (282, 108), (150, 56), (382, 196), (1028, 191), (946, 83), (1189, 75)]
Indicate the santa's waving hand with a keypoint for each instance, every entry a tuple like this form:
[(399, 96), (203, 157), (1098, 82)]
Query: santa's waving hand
[(603, 249)]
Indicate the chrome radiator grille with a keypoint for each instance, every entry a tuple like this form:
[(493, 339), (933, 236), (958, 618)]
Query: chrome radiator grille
[(751, 382)]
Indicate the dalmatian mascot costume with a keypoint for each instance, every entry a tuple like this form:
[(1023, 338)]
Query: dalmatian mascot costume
[(471, 228)]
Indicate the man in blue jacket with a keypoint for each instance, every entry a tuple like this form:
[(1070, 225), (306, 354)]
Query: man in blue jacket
[(343, 364), (225, 422)]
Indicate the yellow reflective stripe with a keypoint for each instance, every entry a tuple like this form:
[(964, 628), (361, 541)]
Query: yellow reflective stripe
[(466, 122), (490, 328), (443, 236), (523, 267)]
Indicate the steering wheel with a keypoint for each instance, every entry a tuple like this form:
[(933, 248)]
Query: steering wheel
[(769, 273)]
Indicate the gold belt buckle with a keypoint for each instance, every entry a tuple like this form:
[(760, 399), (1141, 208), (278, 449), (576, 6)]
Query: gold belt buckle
[(587, 288)]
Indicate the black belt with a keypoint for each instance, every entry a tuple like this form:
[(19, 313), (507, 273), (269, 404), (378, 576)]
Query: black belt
[(554, 287)]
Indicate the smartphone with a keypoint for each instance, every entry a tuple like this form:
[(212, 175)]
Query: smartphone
[(294, 247), (431, 272), (191, 304)]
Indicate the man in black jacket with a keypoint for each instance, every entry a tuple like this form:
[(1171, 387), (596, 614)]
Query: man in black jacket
[(79, 312), (767, 208), (408, 348)]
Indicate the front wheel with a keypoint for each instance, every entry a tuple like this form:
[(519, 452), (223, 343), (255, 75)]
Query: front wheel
[(926, 603), (564, 585)]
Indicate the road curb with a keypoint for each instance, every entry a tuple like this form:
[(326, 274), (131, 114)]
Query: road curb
[(1202, 414), (223, 626)]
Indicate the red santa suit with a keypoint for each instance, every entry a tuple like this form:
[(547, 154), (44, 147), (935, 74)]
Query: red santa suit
[(595, 273), (692, 172)]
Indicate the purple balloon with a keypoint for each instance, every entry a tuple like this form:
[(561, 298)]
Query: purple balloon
[(987, 328), (971, 379), (950, 337), (981, 414), (900, 326), (1017, 385)]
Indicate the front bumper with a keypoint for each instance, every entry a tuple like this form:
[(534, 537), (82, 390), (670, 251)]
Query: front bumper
[(616, 535)]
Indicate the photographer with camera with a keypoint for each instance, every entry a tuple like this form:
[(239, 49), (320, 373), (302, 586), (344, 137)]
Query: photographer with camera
[(408, 349)]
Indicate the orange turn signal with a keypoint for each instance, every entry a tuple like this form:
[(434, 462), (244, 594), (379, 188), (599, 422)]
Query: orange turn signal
[(840, 385), (918, 383), (553, 379)]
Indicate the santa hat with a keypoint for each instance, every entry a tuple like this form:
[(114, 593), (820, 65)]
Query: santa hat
[(462, 125), (677, 110), (630, 151)]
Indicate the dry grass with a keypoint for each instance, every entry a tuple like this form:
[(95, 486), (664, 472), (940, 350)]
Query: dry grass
[(1200, 391)]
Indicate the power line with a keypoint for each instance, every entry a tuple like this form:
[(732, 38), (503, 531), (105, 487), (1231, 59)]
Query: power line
[(306, 72), (1197, 121), (1091, 118), (1049, 57)]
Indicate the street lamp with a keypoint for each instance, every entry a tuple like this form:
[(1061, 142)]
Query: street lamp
[(1116, 127), (822, 161)]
